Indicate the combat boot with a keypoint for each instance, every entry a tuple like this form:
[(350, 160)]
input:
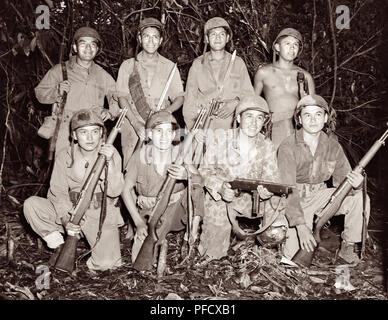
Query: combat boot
[(347, 253)]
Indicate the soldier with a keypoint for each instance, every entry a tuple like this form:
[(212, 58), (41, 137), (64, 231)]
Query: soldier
[(149, 168), (308, 158), (49, 218), (140, 84), (206, 79), (87, 86), (242, 153), (278, 82)]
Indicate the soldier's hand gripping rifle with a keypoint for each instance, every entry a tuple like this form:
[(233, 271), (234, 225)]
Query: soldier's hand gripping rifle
[(66, 258), (146, 254), (304, 257)]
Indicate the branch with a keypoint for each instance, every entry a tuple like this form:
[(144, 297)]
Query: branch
[(6, 129), (313, 55), (334, 52), (359, 106)]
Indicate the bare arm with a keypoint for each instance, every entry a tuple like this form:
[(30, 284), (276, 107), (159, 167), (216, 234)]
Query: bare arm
[(259, 81)]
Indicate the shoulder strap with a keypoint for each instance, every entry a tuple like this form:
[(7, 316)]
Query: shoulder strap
[(137, 94), (64, 71)]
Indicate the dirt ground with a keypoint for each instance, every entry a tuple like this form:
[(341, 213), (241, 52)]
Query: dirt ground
[(250, 272)]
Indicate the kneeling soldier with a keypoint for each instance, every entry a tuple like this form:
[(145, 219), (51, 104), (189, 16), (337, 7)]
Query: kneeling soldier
[(147, 171), (309, 158), (50, 217), (242, 153)]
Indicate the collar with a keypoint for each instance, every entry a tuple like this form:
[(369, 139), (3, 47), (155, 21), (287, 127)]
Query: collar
[(323, 137), (72, 64), (207, 56), (141, 57)]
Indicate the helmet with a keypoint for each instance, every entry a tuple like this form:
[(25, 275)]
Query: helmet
[(150, 22), (312, 100), (86, 117), (289, 32), (252, 102), (160, 117), (86, 32), (272, 236), (215, 23)]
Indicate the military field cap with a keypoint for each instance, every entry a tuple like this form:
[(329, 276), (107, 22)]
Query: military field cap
[(86, 32), (86, 117), (217, 22), (252, 102), (150, 22), (160, 117), (312, 100), (289, 32)]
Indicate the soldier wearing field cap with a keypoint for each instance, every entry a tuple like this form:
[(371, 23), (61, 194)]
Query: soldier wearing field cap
[(141, 81), (50, 217), (87, 85), (207, 80), (244, 152), (308, 159), (278, 82)]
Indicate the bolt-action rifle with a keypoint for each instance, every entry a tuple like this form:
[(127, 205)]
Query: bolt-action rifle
[(304, 257), (66, 259)]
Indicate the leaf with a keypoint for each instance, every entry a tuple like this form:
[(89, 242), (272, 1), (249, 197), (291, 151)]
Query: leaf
[(173, 296), (317, 280)]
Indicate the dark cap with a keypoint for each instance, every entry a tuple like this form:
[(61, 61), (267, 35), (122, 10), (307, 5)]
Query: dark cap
[(160, 117), (150, 22), (86, 117)]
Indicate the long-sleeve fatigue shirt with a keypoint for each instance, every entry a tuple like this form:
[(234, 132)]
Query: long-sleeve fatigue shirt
[(224, 162), (65, 179), (297, 165), (88, 90), (201, 87), (154, 89)]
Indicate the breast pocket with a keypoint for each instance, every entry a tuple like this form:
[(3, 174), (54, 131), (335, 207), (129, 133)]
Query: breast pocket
[(330, 166), (235, 81)]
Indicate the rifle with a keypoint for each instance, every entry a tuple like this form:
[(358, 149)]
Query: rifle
[(145, 256), (303, 257), (59, 114), (251, 185), (66, 258), (302, 85)]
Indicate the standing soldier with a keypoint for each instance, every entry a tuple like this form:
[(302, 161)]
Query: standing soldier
[(140, 83), (308, 158), (278, 81), (208, 78), (50, 217), (87, 85)]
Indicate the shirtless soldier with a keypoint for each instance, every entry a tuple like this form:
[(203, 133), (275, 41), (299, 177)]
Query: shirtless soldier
[(278, 81)]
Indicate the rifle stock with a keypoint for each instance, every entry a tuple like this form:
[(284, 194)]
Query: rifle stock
[(66, 258), (304, 258)]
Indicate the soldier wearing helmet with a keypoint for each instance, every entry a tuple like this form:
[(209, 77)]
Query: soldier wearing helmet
[(278, 82), (244, 152), (206, 79), (147, 171), (87, 85), (141, 81), (308, 159), (49, 217)]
